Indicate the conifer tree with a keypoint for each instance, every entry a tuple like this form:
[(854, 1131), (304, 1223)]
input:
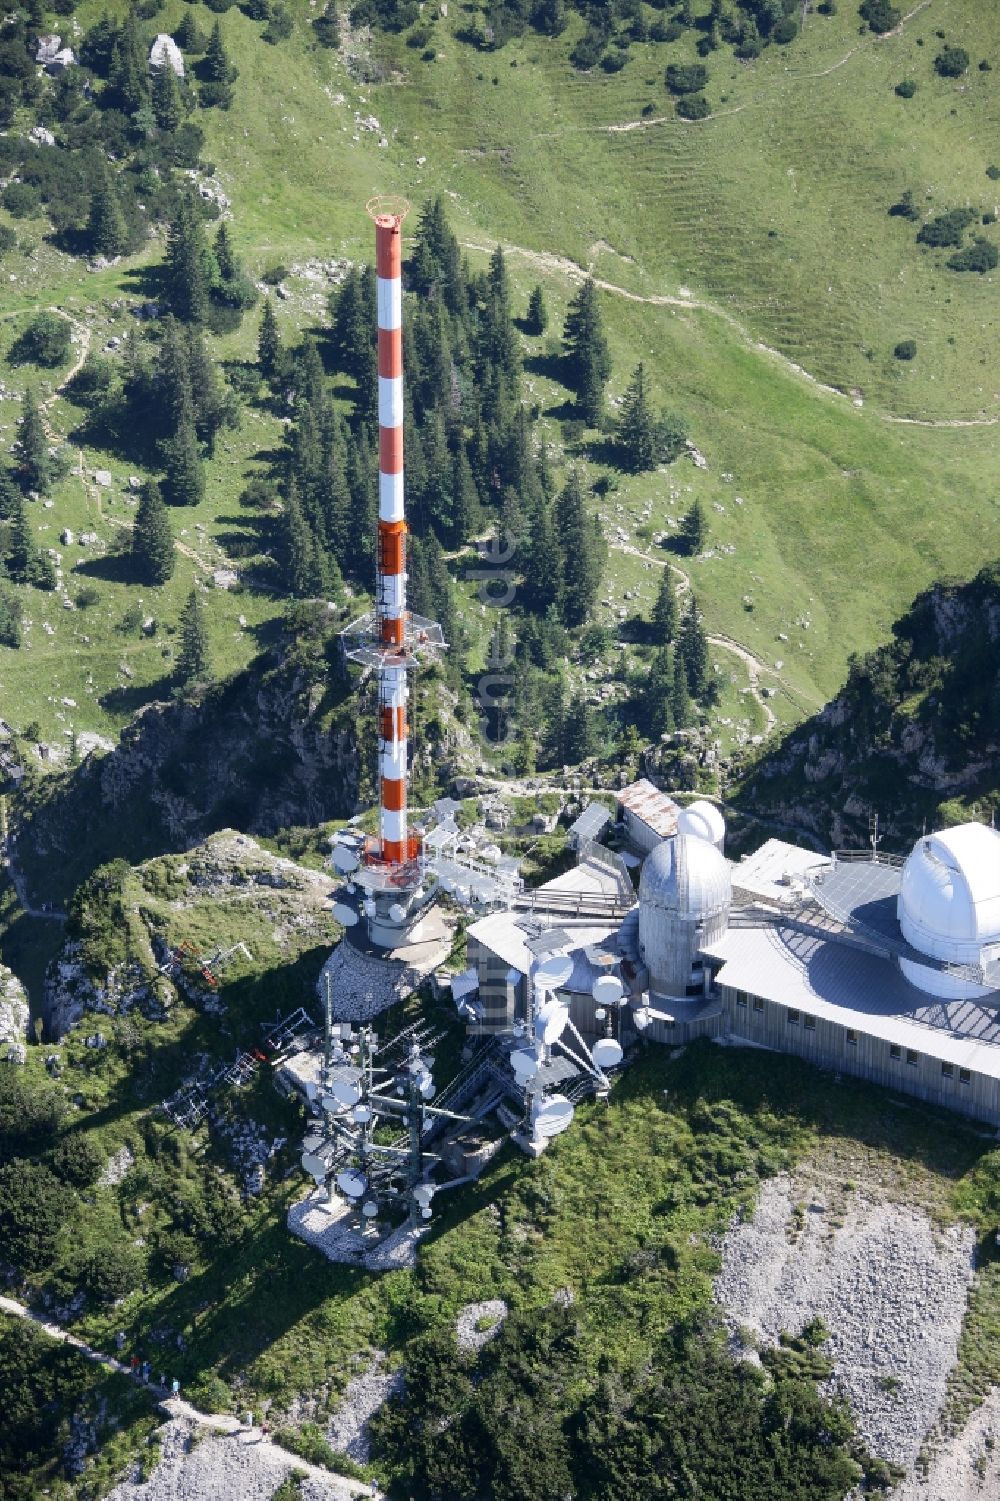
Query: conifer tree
[(327, 26), (693, 646), (152, 540), (636, 434), (192, 663), (579, 732), (583, 551), (185, 473), (303, 570), (538, 317), (694, 530), (186, 268), (542, 580), (10, 495), (270, 353), (128, 76), (659, 686), (21, 546), (679, 701), (34, 463), (219, 73), (168, 106), (588, 362), (107, 231), (665, 610)]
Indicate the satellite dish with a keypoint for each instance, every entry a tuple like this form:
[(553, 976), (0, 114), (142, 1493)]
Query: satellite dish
[(553, 973), (552, 1116), (369, 1209), (312, 1143), (608, 990), (607, 1053), (641, 1018), (345, 1092), (423, 1193), (428, 1088), (550, 1021), (344, 914), (351, 1183), (331, 1103), (314, 1165), (345, 860), (361, 1114), (524, 1064), (425, 1214), (397, 912)]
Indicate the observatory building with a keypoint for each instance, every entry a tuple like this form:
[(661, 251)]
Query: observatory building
[(858, 961)]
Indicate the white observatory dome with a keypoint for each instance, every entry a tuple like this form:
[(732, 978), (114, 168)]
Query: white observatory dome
[(949, 905), (686, 875), (704, 821)]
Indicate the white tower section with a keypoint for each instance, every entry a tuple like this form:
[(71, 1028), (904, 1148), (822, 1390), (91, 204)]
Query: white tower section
[(684, 896)]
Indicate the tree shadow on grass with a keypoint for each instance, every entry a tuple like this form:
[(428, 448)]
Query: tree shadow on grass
[(129, 698), (550, 366), (113, 568)]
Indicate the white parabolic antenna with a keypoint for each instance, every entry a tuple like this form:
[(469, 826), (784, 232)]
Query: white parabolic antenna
[(396, 912), (314, 1165), (369, 1209), (345, 860), (345, 1092), (423, 1194), (608, 990), (344, 914), (607, 1053), (553, 973), (550, 1022), (524, 1064), (351, 1183), (553, 1115), (362, 1114)]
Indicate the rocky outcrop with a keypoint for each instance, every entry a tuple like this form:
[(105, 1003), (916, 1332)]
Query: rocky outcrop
[(915, 728), (272, 747), (14, 1017)]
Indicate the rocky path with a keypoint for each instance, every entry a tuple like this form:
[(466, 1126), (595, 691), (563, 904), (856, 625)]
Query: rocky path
[(230, 1461)]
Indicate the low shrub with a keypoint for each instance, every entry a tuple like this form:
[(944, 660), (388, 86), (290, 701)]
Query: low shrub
[(693, 107), (906, 88), (980, 256), (906, 349), (952, 62)]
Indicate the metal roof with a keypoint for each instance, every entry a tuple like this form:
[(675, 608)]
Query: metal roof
[(843, 984), (769, 871), (592, 820), (651, 806)]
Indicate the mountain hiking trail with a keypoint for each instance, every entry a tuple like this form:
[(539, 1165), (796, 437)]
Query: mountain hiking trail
[(178, 1407)]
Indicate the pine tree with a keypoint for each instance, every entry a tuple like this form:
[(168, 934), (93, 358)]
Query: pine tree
[(10, 495), (168, 106), (588, 362), (583, 551), (679, 700), (658, 695), (694, 529), (636, 434), (554, 722), (327, 26), (107, 231), (21, 544), (665, 610), (185, 472), (34, 463), (218, 71), (693, 647), (303, 574), (186, 265), (192, 663), (225, 255), (542, 579), (152, 540), (10, 619), (270, 353), (128, 76), (579, 732), (538, 317)]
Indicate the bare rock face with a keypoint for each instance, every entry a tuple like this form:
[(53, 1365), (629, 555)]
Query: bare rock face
[(14, 1016)]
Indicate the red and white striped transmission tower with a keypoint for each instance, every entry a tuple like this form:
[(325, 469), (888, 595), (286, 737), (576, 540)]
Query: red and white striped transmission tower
[(391, 639)]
